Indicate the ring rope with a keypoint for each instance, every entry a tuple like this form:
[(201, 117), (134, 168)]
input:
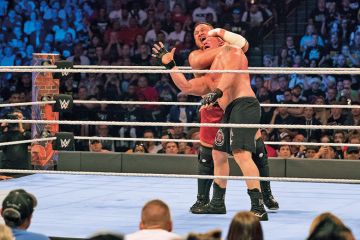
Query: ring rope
[(72, 70), (29, 67), (176, 140), (198, 141), (176, 104), (188, 68), (170, 124), (27, 141), (180, 67), (275, 179), (26, 103)]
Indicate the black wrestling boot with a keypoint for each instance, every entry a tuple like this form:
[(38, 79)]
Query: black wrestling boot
[(269, 200), (217, 203), (201, 201), (257, 204), (261, 160)]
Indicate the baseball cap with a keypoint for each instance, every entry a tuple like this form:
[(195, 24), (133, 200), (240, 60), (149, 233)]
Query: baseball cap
[(284, 135), (236, 11), (17, 206), (352, 149)]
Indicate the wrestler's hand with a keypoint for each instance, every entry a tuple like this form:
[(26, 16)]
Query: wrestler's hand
[(164, 57), (212, 97), (217, 32)]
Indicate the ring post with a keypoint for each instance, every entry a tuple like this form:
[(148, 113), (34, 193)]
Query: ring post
[(44, 87)]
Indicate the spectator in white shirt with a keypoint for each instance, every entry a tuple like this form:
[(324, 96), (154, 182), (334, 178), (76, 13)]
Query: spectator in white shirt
[(178, 35), (151, 35), (155, 223), (199, 14), (116, 13)]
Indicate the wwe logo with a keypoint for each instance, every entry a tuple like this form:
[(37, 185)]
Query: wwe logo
[(64, 104), (64, 73), (64, 143)]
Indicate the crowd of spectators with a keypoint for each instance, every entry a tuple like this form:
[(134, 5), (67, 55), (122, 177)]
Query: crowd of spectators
[(121, 32)]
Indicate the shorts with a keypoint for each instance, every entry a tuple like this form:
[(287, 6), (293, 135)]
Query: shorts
[(243, 110)]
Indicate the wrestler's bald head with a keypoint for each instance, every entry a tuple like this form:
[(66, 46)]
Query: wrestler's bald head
[(156, 215)]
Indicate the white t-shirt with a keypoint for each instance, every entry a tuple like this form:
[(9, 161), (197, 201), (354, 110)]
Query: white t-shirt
[(150, 36), (152, 234), (199, 14), (174, 36)]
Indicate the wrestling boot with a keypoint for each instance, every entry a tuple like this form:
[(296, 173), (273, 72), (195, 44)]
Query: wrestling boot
[(217, 203), (201, 201), (262, 162), (205, 167), (269, 200), (257, 204)]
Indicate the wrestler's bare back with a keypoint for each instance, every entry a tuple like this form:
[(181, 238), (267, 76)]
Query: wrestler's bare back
[(234, 85)]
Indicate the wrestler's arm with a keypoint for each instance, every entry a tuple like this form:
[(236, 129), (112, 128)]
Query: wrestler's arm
[(230, 37), (200, 59), (196, 86)]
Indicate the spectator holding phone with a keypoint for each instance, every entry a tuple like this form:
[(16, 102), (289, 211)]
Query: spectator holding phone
[(14, 156)]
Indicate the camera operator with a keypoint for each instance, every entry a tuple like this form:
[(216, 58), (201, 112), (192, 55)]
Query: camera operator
[(14, 156)]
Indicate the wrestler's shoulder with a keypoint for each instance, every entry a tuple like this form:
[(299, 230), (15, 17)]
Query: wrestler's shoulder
[(233, 50), (195, 52)]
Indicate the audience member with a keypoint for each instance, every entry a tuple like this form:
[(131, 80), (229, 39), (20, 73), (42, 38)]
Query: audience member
[(284, 152), (211, 235), (243, 226), (96, 146), (352, 153), (155, 223), (329, 226), (14, 156), (106, 236), (171, 148), (17, 211), (151, 146)]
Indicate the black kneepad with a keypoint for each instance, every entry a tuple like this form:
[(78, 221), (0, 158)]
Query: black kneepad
[(206, 163), (260, 156)]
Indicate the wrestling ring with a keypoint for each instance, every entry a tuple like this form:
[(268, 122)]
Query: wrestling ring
[(76, 204)]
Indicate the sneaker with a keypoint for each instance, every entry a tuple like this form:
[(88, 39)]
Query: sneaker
[(257, 204), (270, 202), (198, 204), (211, 208), (261, 214)]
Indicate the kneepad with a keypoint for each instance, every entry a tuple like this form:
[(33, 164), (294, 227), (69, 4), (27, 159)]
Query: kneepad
[(206, 163), (260, 155)]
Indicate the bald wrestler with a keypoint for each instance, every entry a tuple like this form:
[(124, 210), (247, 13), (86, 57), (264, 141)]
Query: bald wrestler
[(234, 95)]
